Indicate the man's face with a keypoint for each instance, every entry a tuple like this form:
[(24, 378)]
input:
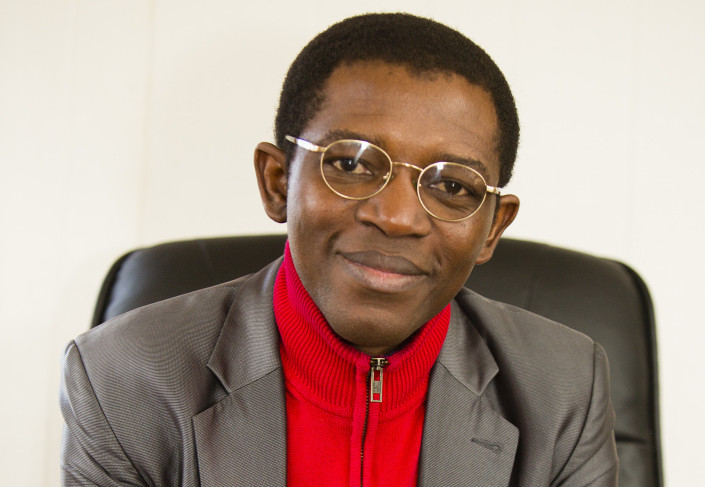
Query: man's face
[(379, 268)]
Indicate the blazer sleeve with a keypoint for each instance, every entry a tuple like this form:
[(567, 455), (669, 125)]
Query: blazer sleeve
[(91, 454), (593, 461)]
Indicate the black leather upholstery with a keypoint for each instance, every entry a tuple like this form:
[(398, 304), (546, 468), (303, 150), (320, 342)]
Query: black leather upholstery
[(602, 298)]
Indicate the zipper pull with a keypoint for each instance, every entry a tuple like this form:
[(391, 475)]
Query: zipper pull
[(377, 365)]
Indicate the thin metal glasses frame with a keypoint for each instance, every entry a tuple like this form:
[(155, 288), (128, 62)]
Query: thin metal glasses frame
[(310, 146)]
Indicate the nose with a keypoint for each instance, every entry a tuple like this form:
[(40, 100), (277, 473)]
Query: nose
[(396, 210)]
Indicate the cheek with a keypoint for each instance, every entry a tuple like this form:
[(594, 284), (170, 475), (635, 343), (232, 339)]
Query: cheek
[(306, 191), (302, 197), (311, 210), (461, 245), (314, 217)]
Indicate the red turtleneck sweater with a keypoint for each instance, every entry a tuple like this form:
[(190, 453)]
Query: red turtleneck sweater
[(335, 435)]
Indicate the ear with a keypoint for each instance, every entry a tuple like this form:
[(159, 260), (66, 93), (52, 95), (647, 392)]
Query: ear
[(270, 166), (505, 214)]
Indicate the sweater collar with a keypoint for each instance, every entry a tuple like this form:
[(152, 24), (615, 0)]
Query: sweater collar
[(327, 370)]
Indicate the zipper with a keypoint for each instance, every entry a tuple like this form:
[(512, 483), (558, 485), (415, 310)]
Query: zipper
[(374, 394), (377, 365)]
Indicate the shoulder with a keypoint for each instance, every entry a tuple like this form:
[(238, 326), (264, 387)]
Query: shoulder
[(179, 328), (167, 345), (132, 385), (550, 381), (539, 368), (523, 336)]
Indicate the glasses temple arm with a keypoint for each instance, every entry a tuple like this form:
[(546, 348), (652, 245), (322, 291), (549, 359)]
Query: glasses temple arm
[(304, 144)]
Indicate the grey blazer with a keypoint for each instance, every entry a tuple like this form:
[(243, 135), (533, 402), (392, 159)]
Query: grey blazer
[(190, 391)]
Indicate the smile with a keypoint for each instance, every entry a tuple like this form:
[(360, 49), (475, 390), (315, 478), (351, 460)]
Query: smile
[(380, 272)]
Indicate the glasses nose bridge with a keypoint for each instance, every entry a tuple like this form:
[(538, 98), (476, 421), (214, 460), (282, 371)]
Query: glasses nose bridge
[(410, 166), (406, 164), (392, 175)]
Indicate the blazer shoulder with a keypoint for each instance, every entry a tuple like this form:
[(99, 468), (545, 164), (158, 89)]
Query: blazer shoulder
[(168, 342), (507, 326), (546, 362), (137, 380), (174, 324), (183, 324), (551, 381)]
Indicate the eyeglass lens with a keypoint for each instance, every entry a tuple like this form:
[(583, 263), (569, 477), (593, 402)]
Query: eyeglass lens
[(357, 169)]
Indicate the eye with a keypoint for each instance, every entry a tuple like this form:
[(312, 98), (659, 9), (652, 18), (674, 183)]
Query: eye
[(349, 165), (451, 188)]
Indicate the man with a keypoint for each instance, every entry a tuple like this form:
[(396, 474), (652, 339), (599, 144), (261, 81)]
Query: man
[(357, 358)]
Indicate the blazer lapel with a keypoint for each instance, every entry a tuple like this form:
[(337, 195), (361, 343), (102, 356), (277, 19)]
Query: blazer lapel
[(241, 440), (465, 441)]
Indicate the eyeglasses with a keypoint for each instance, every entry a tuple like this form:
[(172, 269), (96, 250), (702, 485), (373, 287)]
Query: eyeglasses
[(357, 170)]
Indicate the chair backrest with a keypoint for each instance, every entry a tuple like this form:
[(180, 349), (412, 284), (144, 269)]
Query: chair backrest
[(602, 298)]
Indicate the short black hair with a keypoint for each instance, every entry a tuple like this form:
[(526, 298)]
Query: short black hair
[(421, 45)]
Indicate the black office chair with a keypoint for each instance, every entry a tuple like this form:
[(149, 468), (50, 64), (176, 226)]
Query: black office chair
[(602, 298)]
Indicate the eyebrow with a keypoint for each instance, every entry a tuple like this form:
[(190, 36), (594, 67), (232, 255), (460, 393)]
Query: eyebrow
[(340, 134), (476, 164)]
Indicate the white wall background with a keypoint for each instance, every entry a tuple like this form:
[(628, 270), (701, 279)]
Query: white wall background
[(125, 123)]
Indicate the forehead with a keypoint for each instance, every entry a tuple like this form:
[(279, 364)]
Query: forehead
[(419, 118)]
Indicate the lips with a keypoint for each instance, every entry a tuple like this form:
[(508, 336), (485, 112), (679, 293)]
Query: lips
[(385, 263)]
